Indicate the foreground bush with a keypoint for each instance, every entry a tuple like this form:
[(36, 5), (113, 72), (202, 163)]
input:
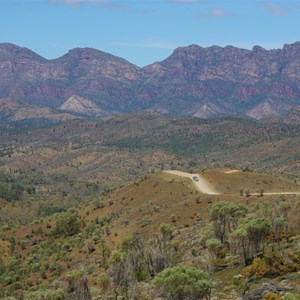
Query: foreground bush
[(270, 266), (180, 283), (46, 295)]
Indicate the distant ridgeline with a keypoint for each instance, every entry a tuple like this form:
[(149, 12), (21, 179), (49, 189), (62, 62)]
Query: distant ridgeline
[(202, 82)]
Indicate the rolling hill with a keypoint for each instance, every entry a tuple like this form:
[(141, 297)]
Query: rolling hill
[(124, 147), (79, 159), (161, 216)]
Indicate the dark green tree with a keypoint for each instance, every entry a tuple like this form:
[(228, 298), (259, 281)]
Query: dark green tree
[(67, 225)]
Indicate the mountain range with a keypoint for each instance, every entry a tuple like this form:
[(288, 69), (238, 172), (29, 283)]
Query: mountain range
[(201, 82)]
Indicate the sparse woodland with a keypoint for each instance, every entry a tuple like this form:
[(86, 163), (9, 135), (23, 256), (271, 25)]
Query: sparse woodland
[(86, 212), (80, 255)]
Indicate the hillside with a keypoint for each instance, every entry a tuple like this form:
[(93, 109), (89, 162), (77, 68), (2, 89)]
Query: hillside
[(160, 215), (87, 213), (17, 111), (293, 116), (203, 82), (123, 148)]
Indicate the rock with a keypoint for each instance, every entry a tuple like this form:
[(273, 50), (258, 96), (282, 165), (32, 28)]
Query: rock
[(258, 293)]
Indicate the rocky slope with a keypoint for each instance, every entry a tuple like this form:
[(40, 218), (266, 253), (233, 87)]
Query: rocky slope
[(204, 82), (77, 104), (15, 110), (293, 117)]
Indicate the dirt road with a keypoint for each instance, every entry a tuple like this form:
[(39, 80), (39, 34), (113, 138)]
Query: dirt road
[(233, 171), (276, 193), (200, 183), (203, 186)]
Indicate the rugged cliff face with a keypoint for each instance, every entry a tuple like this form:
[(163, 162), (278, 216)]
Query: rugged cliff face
[(257, 83), (204, 82)]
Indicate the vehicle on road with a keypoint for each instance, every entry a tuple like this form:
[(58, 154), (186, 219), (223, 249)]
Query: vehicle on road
[(195, 178)]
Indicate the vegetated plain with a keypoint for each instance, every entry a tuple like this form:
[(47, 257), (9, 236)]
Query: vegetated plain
[(81, 158), (86, 211)]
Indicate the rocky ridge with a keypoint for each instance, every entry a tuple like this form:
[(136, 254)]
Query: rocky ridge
[(204, 82)]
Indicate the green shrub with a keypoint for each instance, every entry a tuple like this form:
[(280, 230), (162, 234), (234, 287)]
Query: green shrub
[(2, 266), (269, 267), (271, 296), (75, 274), (179, 283), (67, 225), (46, 295), (166, 230), (116, 257), (289, 296), (142, 275), (214, 245), (103, 281)]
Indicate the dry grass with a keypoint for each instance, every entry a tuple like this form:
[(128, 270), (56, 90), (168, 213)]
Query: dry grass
[(232, 183), (142, 207)]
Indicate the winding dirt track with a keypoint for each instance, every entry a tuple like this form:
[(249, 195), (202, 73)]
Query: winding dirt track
[(201, 183), (204, 187)]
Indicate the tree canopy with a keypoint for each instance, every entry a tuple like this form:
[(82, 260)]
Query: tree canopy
[(179, 283)]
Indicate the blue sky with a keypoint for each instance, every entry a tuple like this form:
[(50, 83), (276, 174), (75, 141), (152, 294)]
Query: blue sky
[(145, 31)]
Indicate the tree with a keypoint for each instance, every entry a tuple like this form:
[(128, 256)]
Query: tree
[(250, 236), (180, 283), (239, 240), (225, 216), (67, 225), (166, 231), (121, 271), (2, 266), (281, 211), (135, 260), (78, 288), (214, 245), (278, 217)]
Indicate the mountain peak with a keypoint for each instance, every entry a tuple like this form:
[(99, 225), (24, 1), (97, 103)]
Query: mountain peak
[(186, 49), (91, 54), (13, 52), (193, 80), (292, 45), (81, 52), (291, 50), (258, 49)]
